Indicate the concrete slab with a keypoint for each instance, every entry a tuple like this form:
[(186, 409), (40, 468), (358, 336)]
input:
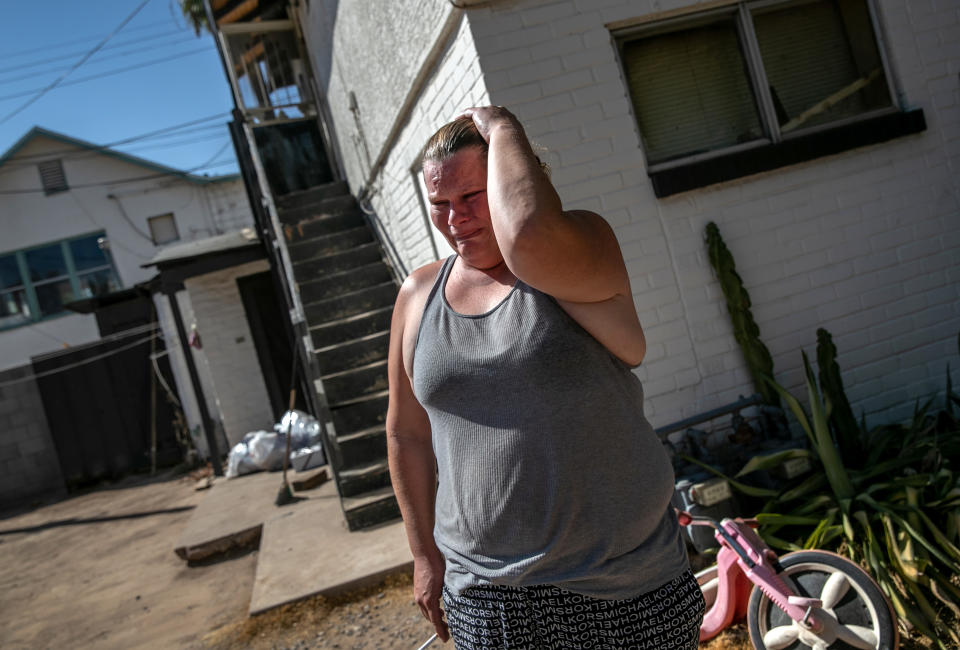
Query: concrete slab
[(306, 550), (230, 515)]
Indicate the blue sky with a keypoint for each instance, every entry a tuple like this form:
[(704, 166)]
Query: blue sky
[(183, 82)]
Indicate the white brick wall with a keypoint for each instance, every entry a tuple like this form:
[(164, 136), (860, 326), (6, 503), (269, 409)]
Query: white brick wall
[(228, 348), (864, 243)]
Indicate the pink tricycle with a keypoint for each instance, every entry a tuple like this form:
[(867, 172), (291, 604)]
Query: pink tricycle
[(805, 599)]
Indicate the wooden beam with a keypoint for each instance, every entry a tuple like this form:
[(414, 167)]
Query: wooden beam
[(241, 10)]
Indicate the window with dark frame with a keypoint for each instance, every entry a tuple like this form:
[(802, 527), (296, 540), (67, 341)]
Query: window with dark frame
[(732, 91), (37, 282), (52, 177), (163, 229)]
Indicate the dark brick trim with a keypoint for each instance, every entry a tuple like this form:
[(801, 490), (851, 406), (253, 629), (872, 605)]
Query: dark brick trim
[(789, 152)]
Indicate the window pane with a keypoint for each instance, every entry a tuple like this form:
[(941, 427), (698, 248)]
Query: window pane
[(690, 90), (98, 283), (9, 272), (45, 263), (87, 254), (52, 295), (821, 60), (14, 308)]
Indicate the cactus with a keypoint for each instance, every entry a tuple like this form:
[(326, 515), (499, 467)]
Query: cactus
[(745, 329), (843, 424)]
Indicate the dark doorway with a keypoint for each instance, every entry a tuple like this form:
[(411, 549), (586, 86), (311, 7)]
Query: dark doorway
[(271, 340), (293, 155)]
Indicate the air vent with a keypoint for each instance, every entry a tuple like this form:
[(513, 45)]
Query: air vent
[(52, 177)]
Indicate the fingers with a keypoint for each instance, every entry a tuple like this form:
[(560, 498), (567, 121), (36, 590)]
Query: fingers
[(435, 616), (432, 612)]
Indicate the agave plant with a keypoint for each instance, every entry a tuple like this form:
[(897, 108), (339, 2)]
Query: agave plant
[(896, 511)]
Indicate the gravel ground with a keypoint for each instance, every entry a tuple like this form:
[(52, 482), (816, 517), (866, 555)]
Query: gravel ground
[(97, 570)]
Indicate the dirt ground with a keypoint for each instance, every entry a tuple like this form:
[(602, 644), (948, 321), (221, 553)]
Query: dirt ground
[(97, 570)]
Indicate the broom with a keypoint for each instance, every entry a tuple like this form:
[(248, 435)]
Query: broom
[(285, 495)]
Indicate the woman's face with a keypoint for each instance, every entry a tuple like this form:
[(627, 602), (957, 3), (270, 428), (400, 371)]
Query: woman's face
[(457, 192)]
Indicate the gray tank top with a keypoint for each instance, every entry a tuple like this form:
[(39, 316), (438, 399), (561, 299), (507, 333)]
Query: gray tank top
[(548, 471)]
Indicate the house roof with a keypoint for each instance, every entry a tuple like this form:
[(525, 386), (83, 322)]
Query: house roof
[(190, 250), (37, 132)]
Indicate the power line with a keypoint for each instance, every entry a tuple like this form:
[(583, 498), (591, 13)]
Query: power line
[(79, 63), (104, 147), (86, 39), (77, 364), (101, 59), (71, 55), (180, 143), (177, 174), (108, 73)]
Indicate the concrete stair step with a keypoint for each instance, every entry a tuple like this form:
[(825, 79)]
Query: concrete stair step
[(351, 327), (317, 267), (371, 475), (318, 225), (335, 284), (313, 195), (358, 413), (328, 244), (360, 447), (327, 207), (353, 354), (356, 382), (371, 508), (349, 304)]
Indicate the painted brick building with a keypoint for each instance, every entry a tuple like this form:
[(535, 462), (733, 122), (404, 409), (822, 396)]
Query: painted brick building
[(847, 219)]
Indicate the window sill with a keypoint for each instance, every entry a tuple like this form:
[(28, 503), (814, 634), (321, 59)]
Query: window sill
[(789, 152)]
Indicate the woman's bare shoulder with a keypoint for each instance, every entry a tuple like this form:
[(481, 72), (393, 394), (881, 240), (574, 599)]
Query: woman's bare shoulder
[(415, 289)]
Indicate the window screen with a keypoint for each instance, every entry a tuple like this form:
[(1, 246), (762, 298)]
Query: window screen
[(690, 90), (821, 61), (693, 83)]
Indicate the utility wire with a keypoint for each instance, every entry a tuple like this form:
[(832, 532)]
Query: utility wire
[(180, 143), (135, 138), (86, 39), (79, 63), (176, 174), (114, 46), (122, 54), (108, 73), (71, 366)]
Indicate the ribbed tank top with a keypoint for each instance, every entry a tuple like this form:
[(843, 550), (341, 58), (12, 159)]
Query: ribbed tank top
[(548, 471)]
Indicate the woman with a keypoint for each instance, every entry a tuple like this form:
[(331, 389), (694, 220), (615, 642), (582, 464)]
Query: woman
[(534, 493)]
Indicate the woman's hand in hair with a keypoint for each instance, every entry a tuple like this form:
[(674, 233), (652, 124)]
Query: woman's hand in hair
[(488, 118)]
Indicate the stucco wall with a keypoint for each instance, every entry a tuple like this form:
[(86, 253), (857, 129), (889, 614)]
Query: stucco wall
[(864, 243), (375, 50), (229, 351)]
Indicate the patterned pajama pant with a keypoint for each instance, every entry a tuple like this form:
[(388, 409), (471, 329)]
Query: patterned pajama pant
[(549, 618)]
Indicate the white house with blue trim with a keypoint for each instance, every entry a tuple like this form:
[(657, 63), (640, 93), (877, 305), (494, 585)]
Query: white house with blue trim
[(79, 220)]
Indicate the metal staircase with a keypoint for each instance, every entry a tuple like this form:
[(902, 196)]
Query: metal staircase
[(347, 290)]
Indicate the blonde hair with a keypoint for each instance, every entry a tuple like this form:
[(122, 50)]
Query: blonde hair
[(451, 138), (458, 135)]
